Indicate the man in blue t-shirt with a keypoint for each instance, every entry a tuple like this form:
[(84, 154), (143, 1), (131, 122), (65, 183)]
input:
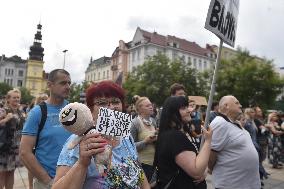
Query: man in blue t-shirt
[(42, 164)]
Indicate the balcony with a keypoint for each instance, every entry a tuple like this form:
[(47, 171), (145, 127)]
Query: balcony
[(114, 67)]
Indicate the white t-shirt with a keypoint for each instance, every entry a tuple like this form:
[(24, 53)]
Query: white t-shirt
[(237, 164)]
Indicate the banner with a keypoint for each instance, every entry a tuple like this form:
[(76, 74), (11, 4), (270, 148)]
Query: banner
[(113, 123), (222, 18)]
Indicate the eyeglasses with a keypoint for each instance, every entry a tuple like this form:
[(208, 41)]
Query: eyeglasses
[(103, 102)]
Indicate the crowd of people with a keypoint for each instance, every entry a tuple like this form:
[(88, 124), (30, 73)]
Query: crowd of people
[(168, 147)]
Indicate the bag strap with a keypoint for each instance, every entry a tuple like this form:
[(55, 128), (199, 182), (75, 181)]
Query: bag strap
[(170, 182), (43, 109)]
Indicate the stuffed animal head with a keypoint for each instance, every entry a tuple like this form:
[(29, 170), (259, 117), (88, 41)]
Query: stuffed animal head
[(76, 118)]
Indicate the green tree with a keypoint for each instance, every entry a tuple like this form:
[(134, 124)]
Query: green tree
[(26, 96), (154, 78), (251, 80), (4, 88), (76, 89)]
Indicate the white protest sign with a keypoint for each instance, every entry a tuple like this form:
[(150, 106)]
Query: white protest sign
[(222, 19), (113, 123)]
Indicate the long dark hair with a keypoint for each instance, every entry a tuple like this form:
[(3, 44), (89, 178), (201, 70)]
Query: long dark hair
[(170, 117)]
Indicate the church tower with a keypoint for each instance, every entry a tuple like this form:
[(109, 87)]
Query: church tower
[(35, 81)]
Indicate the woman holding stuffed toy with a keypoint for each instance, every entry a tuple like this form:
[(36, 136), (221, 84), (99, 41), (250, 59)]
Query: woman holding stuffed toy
[(180, 164), (77, 168)]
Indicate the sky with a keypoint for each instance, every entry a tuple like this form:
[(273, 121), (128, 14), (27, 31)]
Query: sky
[(90, 28)]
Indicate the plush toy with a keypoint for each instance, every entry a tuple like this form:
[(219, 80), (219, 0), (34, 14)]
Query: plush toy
[(77, 118)]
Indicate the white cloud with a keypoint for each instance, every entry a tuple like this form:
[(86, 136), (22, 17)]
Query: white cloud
[(93, 28)]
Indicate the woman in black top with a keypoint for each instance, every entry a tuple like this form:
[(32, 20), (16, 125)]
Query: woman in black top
[(178, 161)]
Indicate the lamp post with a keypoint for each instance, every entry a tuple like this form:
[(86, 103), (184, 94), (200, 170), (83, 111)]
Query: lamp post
[(64, 57)]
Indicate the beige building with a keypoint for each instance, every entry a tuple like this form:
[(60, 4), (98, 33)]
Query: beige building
[(99, 70), (119, 62), (35, 75), (226, 54)]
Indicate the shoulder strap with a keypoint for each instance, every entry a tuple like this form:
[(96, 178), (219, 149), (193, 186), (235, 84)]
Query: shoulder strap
[(43, 109)]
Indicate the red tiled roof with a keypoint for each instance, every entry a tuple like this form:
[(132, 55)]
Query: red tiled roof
[(183, 44)]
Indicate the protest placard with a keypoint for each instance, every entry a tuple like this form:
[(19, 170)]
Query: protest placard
[(113, 123), (222, 19)]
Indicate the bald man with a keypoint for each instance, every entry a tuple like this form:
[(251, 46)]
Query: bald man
[(233, 159)]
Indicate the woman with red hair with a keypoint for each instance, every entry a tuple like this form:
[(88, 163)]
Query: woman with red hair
[(76, 167)]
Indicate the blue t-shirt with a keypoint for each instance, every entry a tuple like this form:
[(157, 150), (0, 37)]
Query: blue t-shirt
[(125, 171), (51, 138)]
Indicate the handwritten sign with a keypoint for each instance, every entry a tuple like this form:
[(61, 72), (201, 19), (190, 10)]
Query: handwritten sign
[(113, 123), (222, 18)]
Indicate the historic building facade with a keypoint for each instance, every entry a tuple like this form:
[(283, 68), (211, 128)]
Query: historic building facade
[(99, 70), (13, 71), (146, 44), (120, 61), (36, 77)]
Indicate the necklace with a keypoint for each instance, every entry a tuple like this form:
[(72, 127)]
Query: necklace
[(147, 122), (193, 142)]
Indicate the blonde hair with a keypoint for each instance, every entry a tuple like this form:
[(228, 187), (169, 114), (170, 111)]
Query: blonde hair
[(138, 103), (41, 97), (9, 94), (247, 111)]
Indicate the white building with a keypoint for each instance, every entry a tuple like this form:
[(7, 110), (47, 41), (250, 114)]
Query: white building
[(13, 71), (99, 70), (146, 44)]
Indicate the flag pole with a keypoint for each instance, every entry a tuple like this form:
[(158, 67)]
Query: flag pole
[(213, 85)]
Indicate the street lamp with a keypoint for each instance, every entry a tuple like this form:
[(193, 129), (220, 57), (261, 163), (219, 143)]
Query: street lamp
[(64, 57)]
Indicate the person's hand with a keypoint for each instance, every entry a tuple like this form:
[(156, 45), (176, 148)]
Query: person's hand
[(150, 139), (9, 116), (200, 179), (90, 145), (207, 133)]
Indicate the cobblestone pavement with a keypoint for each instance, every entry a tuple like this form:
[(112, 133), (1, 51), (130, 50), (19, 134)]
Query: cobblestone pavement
[(275, 180)]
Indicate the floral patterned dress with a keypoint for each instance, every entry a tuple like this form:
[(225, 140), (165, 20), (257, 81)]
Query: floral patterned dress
[(274, 147), (125, 172), (9, 158)]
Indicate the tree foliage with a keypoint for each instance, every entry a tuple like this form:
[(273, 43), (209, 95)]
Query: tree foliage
[(154, 78), (251, 80), (4, 88), (26, 96), (76, 89)]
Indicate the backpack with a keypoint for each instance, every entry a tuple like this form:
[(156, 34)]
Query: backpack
[(43, 109)]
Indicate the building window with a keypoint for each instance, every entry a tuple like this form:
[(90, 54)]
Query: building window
[(8, 81), (194, 63), (133, 55), (104, 75), (21, 73), (138, 54), (107, 73), (175, 55), (175, 45), (12, 72), (205, 65), (94, 76), (189, 59), (20, 83), (200, 65), (33, 85)]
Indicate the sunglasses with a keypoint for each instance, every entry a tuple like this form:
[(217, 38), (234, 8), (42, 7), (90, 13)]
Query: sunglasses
[(106, 102)]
